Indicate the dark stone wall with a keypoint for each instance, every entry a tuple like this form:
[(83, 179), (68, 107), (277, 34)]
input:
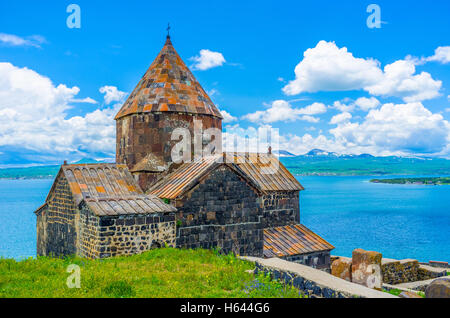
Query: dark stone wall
[(56, 228), (102, 237), (141, 134), (147, 179), (41, 231), (281, 208), (223, 212), (318, 260)]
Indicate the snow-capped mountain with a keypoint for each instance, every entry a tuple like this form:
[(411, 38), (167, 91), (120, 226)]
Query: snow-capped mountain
[(283, 153), (323, 153)]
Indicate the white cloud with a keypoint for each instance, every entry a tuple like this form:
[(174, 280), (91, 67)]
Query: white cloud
[(33, 117), (339, 118), (402, 129), (227, 118), (329, 68), (343, 107), (281, 110), (86, 100), (441, 54), (14, 40), (399, 80), (207, 59), (366, 104), (112, 94)]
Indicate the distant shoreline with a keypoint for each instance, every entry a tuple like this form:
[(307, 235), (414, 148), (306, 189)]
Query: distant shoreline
[(415, 181), (312, 174)]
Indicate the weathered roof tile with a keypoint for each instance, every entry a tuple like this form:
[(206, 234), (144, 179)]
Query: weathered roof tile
[(292, 240), (110, 189), (168, 85), (263, 171)]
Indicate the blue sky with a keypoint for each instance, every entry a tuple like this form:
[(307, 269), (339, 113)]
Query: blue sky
[(48, 68)]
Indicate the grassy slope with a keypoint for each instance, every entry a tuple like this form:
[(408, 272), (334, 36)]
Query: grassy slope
[(158, 273)]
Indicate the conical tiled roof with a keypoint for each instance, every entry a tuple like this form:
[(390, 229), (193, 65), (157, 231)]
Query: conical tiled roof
[(168, 86)]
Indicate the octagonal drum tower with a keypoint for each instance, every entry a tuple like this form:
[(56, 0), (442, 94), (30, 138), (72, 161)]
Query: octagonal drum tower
[(167, 97)]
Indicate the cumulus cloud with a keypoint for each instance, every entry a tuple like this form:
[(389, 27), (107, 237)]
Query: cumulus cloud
[(281, 110), (339, 118), (227, 117), (112, 94), (33, 117), (341, 106), (405, 128), (393, 129), (207, 59), (441, 55), (14, 40), (366, 104), (399, 80), (330, 68)]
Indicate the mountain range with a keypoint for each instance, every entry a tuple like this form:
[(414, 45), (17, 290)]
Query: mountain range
[(321, 162), (315, 162)]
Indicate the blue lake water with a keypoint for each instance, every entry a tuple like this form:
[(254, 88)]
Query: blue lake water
[(401, 221)]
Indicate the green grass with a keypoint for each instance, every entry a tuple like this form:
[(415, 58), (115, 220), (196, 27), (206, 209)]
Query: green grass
[(397, 292), (394, 291), (163, 272)]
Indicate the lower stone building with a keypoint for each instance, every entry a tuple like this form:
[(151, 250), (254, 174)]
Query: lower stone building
[(231, 202), (98, 211), (297, 243)]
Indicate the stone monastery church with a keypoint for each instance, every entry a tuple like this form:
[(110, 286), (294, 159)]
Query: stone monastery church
[(146, 201)]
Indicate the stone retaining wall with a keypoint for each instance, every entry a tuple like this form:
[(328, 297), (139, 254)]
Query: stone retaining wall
[(312, 282), (407, 270)]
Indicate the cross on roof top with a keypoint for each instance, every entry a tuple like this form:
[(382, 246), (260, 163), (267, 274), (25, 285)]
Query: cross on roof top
[(168, 30)]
